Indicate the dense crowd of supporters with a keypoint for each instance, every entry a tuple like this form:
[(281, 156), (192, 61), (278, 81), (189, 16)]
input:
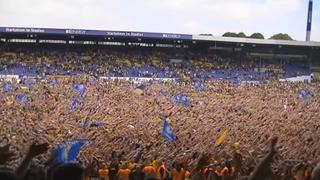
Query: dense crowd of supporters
[(196, 127), (113, 116), (147, 63)]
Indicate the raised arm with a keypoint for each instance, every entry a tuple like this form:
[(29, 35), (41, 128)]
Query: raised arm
[(34, 150), (5, 154), (259, 171)]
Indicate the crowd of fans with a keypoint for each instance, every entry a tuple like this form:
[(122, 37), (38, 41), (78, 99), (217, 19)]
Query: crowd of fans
[(222, 130), (132, 126), (142, 63)]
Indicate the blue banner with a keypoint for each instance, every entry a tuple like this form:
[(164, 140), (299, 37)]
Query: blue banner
[(94, 33), (5, 87), (167, 132), (181, 99), (198, 85), (67, 152), (22, 99), (304, 94), (79, 89)]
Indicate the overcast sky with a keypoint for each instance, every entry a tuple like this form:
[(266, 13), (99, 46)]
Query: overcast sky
[(176, 16)]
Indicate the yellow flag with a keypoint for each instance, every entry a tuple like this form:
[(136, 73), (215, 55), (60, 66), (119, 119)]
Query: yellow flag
[(316, 76), (222, 137)]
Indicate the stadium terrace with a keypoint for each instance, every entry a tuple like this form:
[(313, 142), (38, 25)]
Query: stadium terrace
[(304, 54)]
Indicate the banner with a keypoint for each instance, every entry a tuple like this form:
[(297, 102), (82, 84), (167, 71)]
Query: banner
[(94, 33), (316, 76)]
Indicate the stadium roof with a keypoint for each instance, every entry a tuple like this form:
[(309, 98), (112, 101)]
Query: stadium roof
[(150, 35)]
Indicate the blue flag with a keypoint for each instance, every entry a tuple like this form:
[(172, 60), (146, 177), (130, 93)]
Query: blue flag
[(6, 87), (167, 132), (79, 89), (73, 104), (67, 152), (198, 85), (304, 94), (181, 99), (98, 124), (22, 99)]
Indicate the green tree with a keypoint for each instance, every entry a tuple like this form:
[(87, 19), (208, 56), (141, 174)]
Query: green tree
[(233, 34), (281, 36), (242, 35), (230, 34), (256, 36)]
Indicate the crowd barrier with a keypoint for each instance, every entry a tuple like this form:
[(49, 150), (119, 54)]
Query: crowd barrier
[(305, 79), (138, 80), (10, 78)]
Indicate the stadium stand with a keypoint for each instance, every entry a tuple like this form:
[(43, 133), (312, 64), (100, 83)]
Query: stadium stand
[(137, 63), (73, 107)]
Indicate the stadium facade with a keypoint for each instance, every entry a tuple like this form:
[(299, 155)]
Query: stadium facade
[(264, 48)]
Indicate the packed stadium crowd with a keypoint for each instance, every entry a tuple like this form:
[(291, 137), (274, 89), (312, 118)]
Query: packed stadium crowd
[(144, 63), (221, 118), (82, 127)]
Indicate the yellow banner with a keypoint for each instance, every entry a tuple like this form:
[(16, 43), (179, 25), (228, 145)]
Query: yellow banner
[(316, 76)]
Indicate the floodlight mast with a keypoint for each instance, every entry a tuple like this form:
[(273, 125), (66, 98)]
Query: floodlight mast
[(309, 20)]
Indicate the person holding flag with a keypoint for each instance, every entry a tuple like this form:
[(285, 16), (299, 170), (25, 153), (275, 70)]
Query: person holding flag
[(67, 152), (167, 132)]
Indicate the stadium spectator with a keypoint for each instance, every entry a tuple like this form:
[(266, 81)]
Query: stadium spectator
[(103, 172), (67, 172)]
